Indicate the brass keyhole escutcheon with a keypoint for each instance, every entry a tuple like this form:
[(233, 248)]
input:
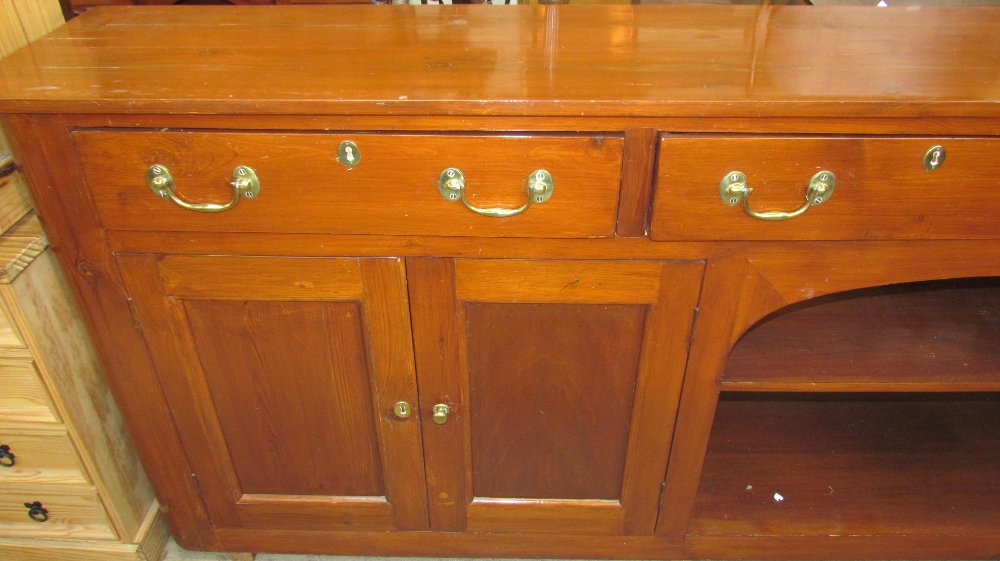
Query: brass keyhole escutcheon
[(934, 158), (349, 154), (402, 410), (441, 412)]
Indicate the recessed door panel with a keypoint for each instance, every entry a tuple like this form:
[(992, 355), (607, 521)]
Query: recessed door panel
[(282, 375), (550, 398), (559, 380), (290, 384)]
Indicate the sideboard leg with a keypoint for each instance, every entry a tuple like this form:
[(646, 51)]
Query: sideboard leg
[(243, 556)]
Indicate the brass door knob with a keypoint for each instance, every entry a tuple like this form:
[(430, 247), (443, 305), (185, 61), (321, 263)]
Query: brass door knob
[(441, 412)]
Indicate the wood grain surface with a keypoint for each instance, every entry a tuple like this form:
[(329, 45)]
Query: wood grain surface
[(856, 464), (883, 190), (941, 336), (528, 60), (393, 189)]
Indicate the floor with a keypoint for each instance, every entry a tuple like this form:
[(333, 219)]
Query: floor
[(175, 553)]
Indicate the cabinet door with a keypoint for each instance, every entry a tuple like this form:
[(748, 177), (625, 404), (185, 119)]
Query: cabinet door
[(282, 375), (561, 381)]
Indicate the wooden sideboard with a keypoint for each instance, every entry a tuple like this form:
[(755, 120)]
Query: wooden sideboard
[(610, 281)]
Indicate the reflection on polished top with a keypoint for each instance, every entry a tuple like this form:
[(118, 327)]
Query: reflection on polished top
[(519, 60)]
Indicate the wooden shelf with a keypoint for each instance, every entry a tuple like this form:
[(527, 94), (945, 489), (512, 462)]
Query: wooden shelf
[(935, 336), (852, 464)]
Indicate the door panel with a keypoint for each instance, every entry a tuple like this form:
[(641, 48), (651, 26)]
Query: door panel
[(550, 397), (294, 443), (282, 374), (562, 380)]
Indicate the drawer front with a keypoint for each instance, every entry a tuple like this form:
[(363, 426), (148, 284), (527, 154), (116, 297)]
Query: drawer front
[(23, 398), (883, 189), (72, 513), (393, 188), (39, 458), (9, 337)]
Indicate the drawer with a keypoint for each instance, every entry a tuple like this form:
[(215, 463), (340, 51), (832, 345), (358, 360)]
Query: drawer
[(392, 189), (9, 337), (72, 513), (23, 398), (43, 456), (883, 189)]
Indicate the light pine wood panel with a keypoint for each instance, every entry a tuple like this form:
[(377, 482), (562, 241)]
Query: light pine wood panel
[(38, 17), (41, 459), (15, 200), (68, 364), (73, 513), (24, 398)]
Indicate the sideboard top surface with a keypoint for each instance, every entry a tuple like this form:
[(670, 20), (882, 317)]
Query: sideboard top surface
[(633, 61)]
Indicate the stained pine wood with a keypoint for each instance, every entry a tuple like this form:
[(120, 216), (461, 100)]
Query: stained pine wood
[(851, 464), (524, 74), (310, 433), (530, 375), (653, 62), (637, 181), (883, 190), (440, 349), (539, 373), (311, 392), (939, 335), (584, 282), (400, 171), (97, 283)]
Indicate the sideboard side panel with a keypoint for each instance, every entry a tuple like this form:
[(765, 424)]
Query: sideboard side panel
[(45, 154)]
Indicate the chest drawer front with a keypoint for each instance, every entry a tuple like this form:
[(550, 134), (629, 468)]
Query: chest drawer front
[(39, 457), (71, 513), (883, 188), (23, 398), (392, 189)]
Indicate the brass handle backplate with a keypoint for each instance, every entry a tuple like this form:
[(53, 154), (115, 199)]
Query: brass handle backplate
[(6, 456), (734, 190), (540, 185), (244, 183), (441, 412)]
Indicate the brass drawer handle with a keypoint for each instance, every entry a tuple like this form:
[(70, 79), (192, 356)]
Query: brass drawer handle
[(6, 456), (733, 189), (244, 183), (451, 184)]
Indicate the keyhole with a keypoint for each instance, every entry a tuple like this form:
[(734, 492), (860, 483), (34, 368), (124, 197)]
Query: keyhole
[(936, 158), (350, 153)]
